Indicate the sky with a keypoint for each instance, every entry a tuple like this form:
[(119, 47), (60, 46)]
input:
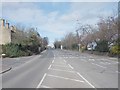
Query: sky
[(55, 19)]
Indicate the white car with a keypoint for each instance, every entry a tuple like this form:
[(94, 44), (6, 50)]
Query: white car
[(89, 48)]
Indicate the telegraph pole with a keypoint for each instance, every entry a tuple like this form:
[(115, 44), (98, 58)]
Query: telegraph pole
[(78, 39), (78, 36)]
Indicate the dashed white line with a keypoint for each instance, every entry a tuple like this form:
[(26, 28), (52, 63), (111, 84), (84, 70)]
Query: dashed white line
[(86, 80), (49, 67), (70, 66), (41, 80), (105, 63), (91, 59), (64, 78), (98, 65)]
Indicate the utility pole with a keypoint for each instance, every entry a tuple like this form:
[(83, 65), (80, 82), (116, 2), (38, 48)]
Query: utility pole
[(78, 36), (78, 39)]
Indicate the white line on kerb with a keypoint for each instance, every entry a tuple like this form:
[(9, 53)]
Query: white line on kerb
[(86, 80), (70, 66), (64, 78), (49, 67), (99, 65), (41, 80)]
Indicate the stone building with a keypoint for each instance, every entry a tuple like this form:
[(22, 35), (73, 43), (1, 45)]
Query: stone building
[(5, 32)]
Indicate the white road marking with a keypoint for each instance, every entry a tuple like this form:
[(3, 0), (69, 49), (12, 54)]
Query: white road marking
[(98, 65), (44, 86), (83, 60), (105, 63), (53, 61), (113, 58), (117, 72), (91, 59), (59, 65), (49, 67), (64, 78), (64, 61), (86, 80), (115, 63), (70, 66), (41, 80), (62, 70)]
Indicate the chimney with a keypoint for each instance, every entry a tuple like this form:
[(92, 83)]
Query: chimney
[(2, 22), (7, 25), (13, 29)]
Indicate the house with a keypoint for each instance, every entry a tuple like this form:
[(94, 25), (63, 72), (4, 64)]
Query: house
[(5, 32)]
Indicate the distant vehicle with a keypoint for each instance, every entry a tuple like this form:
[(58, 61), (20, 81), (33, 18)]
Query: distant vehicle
[(89, 48)]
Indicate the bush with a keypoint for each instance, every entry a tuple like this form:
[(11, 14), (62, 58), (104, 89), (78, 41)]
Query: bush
[(75, 46), (12, 50), (83, 48), (16, 50), (115, 50), (102, 46)]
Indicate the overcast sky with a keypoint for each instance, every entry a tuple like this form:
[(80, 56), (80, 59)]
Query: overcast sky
[(55, 19)]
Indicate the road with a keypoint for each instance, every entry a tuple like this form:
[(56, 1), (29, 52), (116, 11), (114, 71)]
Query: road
[(64, 69)]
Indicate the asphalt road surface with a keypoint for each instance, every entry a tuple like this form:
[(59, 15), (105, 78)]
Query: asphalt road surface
[(64, 69)]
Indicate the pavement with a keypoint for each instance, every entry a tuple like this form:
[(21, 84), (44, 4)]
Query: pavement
[(9, 63), (62, 69)]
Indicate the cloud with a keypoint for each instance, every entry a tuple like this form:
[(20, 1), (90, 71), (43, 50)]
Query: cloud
[(0, 10), (60, 0), (91, 11), (55, 23)]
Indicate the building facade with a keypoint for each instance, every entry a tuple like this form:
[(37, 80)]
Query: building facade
[(5, 32)]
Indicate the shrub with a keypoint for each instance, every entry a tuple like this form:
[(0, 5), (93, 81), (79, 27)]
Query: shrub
[(102, 46), (83, 48), (11, 50), (115, 50), (74, 46), (16, 50)]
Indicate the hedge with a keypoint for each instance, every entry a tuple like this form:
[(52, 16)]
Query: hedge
[(16, 50)]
